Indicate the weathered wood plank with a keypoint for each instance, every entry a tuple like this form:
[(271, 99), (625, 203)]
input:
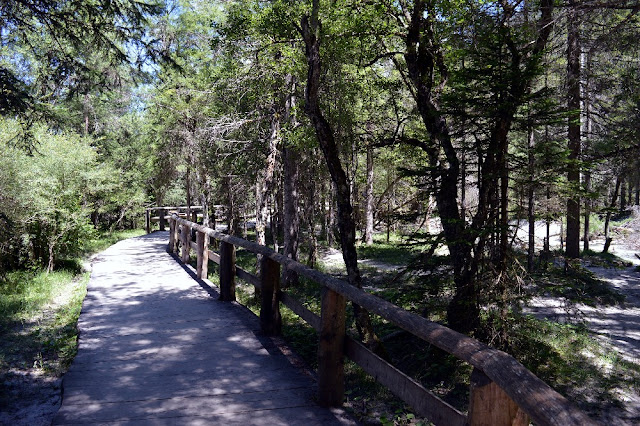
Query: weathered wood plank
[(299, 309), (202, 247), (172, 236), (163, 220), (186, 246), (246, 276), (215, 257), (491, 406), (162, 351), (331, 349), (425, 403), (270, 319), (227, 272)]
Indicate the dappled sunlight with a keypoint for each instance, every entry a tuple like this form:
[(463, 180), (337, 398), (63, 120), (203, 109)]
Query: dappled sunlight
[(154, 345)]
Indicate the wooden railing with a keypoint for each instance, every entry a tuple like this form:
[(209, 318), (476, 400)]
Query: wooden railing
[(163, 214), (502, 391)]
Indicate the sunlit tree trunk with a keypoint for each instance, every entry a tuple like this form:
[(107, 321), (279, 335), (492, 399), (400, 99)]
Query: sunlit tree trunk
[(291, 158), (264, 185), (368, 230), (310, 29), (573, 104)]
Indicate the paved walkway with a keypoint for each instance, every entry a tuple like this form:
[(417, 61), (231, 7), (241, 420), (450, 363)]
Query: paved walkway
[(156, 348)]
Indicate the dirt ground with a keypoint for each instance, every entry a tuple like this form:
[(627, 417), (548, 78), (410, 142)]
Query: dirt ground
[(616, 326)]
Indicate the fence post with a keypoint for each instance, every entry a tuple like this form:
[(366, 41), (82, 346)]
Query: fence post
[(331, 349), (227, 272), (147, 221), (270, 319), (172, 236), (186, 246), (202, 244), (489, 405), (162, 220), (176, 236)]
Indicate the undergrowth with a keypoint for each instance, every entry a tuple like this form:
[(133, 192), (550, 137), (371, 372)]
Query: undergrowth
[(38, 316), (566, 356)]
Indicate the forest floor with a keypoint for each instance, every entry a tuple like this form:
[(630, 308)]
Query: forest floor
[(38, 335), (612, 321), (31, 366)]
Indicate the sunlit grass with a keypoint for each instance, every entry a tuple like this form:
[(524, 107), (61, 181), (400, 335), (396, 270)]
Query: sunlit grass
[(102, 240), (23, 294), (39, 312), (574, 362)]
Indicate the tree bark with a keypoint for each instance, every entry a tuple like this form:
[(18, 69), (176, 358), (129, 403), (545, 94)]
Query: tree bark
[(531, 201), (573, 104), (231, 208), (426, 75), (290, 160), (368, 231), (587, 212), (463, 312), (291, 218), (612, 206), (310, 29), (264, 185)]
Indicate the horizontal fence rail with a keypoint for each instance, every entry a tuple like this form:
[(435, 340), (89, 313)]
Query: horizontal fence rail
[(161, 215), (502, 390)]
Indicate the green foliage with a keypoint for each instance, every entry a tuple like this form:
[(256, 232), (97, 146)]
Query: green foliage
[(49, 196), (51, 47), (39, 311)]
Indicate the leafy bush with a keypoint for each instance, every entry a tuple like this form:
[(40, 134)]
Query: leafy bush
[(46, 196)]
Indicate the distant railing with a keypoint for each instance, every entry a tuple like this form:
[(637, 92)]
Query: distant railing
[(164, 213), (502, 391)]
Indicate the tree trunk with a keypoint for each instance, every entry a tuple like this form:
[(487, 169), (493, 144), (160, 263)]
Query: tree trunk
[(623, 194), (264, 185), (274, 220), (463, 313), (231, 208), (573, 104), (291, 217), (310, 28), (290, 160), (368, 231), (587, 211), (612, 206), (187, 185), (531, 201), (310, 219), (331, 216)]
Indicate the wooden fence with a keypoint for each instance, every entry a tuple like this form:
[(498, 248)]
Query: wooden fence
[(163, 214), (502, 391)]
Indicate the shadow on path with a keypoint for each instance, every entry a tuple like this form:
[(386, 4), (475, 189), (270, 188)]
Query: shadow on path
[(156, 348)]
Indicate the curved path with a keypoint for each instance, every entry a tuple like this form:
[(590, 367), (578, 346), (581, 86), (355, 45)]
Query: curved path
[(158, 348)]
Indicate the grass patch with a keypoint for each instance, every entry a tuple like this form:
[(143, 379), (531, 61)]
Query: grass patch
[(572, 361), (38, 316), (395, 252), (577, 285), (605, 260)]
